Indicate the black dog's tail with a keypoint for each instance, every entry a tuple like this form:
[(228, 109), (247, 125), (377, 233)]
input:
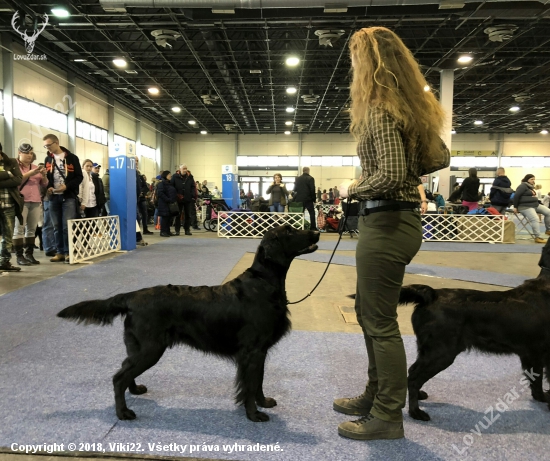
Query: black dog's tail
[(99, 312), (421, 295)]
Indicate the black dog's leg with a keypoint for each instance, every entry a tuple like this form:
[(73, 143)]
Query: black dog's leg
[(132, 348), (533, 373), (427, 365), (132, 367), (261, 399), (249, 366)]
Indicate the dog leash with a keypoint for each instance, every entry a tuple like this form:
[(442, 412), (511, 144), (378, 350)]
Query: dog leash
[(330, 259)]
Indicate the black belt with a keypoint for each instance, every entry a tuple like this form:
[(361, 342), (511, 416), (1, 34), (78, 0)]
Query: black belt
[(367, 207)]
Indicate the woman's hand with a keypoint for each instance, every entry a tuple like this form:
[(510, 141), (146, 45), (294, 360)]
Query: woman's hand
[(423, 207), (343, 188), (82, 207)]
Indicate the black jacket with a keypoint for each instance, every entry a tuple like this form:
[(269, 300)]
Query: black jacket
[(498, 197), (304, 188), (185, 185), (99, 191), (74, 173), (524, 198), (166, 194), (11, 182), (470, 190)]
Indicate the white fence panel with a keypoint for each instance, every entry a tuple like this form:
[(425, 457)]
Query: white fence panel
[(463, 228), (93, 237), (253, 224)]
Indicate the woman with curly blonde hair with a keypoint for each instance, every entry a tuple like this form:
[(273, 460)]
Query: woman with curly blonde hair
[(397, 125)]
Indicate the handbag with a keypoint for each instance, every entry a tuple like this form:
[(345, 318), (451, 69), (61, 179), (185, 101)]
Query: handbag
[(174, 209)]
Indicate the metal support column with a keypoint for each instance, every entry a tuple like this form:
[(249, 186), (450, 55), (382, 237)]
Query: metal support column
[(446, 91), (71, 114), (7, 69)]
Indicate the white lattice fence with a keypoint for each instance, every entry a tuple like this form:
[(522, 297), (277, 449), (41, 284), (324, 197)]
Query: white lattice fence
[(255, 224), (92, 237), (464, 228)]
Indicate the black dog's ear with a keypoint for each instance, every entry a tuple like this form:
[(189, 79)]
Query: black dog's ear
[(273, 251)]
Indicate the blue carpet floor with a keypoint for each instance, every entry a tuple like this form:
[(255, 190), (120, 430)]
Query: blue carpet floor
[(56, 380)]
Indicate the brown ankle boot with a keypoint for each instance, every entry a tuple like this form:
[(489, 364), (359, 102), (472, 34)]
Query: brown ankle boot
[(29, 250), (20, 258), (58, 258)]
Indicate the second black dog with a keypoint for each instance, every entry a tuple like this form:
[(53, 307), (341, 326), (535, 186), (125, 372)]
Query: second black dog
[(241, 319), (450, 321)]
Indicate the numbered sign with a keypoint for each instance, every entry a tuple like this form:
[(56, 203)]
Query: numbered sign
[(230, 185)]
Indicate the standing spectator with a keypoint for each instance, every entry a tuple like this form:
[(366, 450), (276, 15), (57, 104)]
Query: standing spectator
[(249, 198), (499, 196), (396, 125), (11, 206), (279, 194), (330, 197), (186, 191), (199, 189), (319, 194), (142, 202), (166, 193), (24, 234), (526, 203), (90, 193), (335, 192), (470, 190), (304, 189), (107, 191), (64, 178), (193, 208), (324, 197), (96, 168), (216, 192), (48, 232)]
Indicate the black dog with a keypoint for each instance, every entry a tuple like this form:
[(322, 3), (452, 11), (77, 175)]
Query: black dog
[(242, 320), (450, 321)]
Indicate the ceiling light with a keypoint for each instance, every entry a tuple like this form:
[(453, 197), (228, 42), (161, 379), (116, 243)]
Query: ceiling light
[(290, 109), (153, 90), (544, 132), (262, 108), (191, 122), (427, 88), (119, 62), (79, 60), (453, 132), (288, 123), (478, 122), (176, 109), (514, 109), (465, 59), (287, 132), (291, 90), (292, 61), (204, 132), (60, 12)]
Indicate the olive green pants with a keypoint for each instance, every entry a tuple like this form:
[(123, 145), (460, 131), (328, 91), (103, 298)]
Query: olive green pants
[(387, 243)]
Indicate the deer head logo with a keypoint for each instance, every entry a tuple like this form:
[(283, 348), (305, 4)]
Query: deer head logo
[(29, 41)]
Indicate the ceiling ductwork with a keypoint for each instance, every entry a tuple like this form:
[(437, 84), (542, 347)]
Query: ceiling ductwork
[(501, 32), (229, 6)]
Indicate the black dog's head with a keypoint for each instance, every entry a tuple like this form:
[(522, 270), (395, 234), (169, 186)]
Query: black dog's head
[(282, 244)]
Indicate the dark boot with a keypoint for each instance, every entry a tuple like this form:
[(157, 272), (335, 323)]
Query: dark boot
[(21, 260), (7, 267), (29, 249), (38, 234)]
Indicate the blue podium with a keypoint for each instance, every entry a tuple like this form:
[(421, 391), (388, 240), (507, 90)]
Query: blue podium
[(122, 173), (230, 186)]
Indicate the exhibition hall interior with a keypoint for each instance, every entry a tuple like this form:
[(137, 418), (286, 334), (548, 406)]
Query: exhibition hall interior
[(154, 154)]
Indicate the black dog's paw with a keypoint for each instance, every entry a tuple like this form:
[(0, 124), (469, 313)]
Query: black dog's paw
[(257, 417), (267, 402), (419, 415), (422, 395), (138, 389), (125, 413)]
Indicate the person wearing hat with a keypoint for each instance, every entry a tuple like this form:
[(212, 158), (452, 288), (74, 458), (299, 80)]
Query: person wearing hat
[(96, 167), (11, 205), (101, 189), (24, 233), (106, 181)]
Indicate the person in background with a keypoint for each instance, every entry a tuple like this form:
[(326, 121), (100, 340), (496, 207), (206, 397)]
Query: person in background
[(304, 192), (199, 189), (319, 194), (194, 203), (249, 198), (216, 192), (470, 190), (279, 194), (184, 183), (24, 234), (546, 200), (107, 191), (526, 203), (96, 168), (439, 200), (330, 197), (11, 206), (538, 189), (48, 231), (499, 198), (397, 124), (324, 197), (335, 192), (166, 195), (90, 194), (64, 178)]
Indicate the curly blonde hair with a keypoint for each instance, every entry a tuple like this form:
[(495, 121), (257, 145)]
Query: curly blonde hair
[(386, 75)]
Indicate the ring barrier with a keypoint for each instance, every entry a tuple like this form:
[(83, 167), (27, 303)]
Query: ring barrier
[(93, 237), (254, 224), (467, 228)]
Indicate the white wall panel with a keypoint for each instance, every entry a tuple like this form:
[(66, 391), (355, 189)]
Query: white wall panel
[(125, 122), (148, 135), (166, 154), (92, 111), (97, 153), (40, 87)]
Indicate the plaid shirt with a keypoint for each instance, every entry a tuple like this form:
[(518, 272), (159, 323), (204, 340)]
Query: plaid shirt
[(6, 200), (390, 170)]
